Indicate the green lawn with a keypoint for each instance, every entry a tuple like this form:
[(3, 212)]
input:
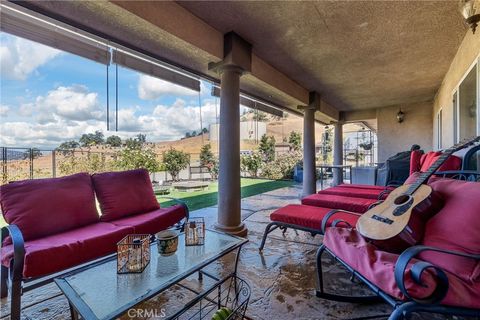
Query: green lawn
[(202, 199)]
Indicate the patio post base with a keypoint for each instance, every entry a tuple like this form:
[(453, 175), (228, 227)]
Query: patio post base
[(240, 230)]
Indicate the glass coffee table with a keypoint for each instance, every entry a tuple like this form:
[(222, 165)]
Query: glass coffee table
[(96, 291)]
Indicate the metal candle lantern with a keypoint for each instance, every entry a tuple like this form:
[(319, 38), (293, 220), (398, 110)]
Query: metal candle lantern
[(195, 232), (133, 253)]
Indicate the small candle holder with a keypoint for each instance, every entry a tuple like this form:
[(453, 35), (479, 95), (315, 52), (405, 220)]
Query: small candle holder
[(195, 232), (133, 253)]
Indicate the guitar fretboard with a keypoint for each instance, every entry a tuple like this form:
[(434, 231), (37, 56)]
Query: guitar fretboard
[(437, 164)]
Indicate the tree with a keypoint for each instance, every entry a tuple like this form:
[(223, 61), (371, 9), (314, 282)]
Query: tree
[(260, 116), (137, 156), (67, 145), (114, 141), (175, 161), (137, 142), (92, 139), (267, 147), (251, 163), (204, 130), (187, 135), (208, 159), (194, 133), (142, 138), (295, 140), (35, 153)]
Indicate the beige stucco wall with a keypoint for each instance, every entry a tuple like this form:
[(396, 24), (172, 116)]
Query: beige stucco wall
[(394, 137), (467, 54)]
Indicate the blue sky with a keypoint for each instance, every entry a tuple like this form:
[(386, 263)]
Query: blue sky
[(49, 96)]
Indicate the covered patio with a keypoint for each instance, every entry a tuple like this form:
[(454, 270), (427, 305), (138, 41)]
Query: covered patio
[(402, 69)]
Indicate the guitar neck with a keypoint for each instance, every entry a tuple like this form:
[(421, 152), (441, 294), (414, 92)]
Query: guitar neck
[(437, 164), (427, 174)]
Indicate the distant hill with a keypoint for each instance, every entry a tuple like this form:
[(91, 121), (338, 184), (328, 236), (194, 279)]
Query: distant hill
[(13, 155)]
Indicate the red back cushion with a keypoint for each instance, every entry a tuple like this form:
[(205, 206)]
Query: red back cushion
[(427, 160), (415, 157), (44, 207), (455, 227), (124, 193)]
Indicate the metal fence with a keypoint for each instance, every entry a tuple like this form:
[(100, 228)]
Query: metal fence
[(31, 163)]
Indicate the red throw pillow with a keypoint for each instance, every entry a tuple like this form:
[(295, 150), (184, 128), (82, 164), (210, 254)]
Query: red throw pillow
[(124, 193), (455, 227), (43, 207)]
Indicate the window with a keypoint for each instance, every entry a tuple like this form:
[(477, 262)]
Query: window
[(467, 105)]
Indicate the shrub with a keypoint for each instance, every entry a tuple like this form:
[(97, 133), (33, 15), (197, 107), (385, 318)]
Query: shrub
[(267, 148), (175, 161), (282, 167), (208, 159), (295, 140), (251, 163), (136, 156), (85, 162)]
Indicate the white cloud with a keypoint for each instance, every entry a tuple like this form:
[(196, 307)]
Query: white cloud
[(20, 57), (163, 123), (150, 88), (4, 109), (70, 103), (50, 135)]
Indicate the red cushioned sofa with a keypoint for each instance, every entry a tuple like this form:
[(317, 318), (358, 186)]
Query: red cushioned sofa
[(356, 198), (54, 224), (441, 275)]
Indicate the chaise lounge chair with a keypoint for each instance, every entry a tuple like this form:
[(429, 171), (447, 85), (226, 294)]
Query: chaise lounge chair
[(441, 275)]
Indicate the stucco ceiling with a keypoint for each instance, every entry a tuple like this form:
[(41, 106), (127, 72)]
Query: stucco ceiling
[(357, 54)]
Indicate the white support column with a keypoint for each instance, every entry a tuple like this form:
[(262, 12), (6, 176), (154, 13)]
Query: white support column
[(338, 153), (309, 177), (229, 206)]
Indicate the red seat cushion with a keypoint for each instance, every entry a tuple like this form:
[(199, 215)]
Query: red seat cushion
[(362, 186), (153, 221), (68, 249), (378, 267), (125, 193), (353, 192), (308, 216), (44, 207), (359, 205), (455, 227)]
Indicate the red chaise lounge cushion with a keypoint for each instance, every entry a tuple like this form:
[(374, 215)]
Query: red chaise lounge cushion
[(154, 221), (68, 249), (378, 267), (455, 227), (359, 192), (43, 207), (354, 204), (308, 216), (125, 193)]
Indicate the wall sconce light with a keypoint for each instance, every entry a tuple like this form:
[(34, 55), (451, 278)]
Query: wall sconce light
[(400, 116), (471, 12)]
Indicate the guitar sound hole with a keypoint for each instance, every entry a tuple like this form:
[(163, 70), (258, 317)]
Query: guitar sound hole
[(401, 199)]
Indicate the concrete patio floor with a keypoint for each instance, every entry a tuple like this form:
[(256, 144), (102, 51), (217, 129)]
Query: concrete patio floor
[(282, 279)]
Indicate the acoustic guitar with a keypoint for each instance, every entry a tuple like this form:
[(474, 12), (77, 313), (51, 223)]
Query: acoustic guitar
[(398, 222)]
